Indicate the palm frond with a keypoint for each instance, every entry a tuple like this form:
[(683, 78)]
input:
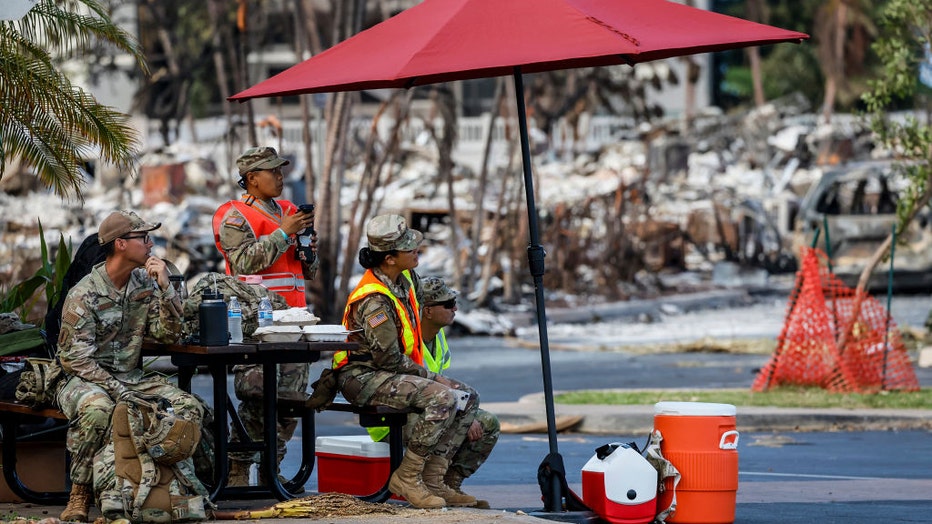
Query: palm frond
[(45, 120)]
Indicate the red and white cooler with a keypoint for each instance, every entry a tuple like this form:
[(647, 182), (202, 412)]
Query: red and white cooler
[(620, 486)]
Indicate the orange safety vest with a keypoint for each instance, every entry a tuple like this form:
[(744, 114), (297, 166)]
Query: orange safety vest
[(285, 276), (409, 332)]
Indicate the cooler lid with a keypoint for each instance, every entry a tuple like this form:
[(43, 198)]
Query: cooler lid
[(352, 445), (694, 409)]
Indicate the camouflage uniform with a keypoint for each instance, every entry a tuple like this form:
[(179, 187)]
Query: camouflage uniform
[(100, 347), (473, 454), (392, 379), (248, 255), (433, 291)]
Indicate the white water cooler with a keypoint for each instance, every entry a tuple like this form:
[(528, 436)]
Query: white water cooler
[(620, 485)]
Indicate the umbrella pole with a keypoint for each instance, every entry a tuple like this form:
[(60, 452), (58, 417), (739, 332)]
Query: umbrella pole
[(536, 254)]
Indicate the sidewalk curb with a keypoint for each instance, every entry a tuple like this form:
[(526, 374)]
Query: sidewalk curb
[(628, 419)]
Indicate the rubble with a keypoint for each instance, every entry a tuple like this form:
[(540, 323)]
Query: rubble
[(650, 202)]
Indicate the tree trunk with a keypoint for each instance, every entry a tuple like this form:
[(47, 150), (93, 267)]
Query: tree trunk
[(757, 12), (244, 71), (756, 76), (364, 205), (215, 8), (445, 105), (479, 214), (837, 65), (301, 44)]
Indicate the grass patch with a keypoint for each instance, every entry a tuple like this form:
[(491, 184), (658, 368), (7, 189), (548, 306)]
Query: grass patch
[(784, 397)]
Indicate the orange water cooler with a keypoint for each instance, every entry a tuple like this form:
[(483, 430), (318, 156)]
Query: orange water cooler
[(701, 440)]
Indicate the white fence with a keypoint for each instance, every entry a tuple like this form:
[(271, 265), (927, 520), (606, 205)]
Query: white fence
[(591, 134)]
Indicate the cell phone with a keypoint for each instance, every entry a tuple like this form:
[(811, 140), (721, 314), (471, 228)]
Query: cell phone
[(462, 398), (306, 208)]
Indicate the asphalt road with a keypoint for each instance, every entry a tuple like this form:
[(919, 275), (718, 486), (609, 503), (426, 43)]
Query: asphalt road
[(861, 477)]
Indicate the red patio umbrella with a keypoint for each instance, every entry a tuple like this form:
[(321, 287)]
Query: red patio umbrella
[(444, 40)]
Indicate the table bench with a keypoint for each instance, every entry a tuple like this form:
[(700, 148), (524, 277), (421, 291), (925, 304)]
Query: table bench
[(369, 416), (218, 359), (12, 415)]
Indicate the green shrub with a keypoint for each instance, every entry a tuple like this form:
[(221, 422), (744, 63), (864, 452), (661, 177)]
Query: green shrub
[(22, 297)]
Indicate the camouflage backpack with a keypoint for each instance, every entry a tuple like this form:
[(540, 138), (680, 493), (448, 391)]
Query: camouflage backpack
[(248, 295), (40, 382), (135, 480)]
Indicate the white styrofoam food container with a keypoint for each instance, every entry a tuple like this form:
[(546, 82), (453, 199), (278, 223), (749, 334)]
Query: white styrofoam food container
[(352, 445), (279, 333), (325, 333), (295, 316)]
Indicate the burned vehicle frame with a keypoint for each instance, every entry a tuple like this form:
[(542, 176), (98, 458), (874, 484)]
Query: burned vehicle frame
[(857, 202)]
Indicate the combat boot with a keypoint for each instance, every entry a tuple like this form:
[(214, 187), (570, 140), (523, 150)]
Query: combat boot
[(407, 482), (78, 503), (434, 471), (239, 473), (454, 479)]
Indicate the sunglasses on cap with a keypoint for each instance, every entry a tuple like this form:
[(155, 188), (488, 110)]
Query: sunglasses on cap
[(446, 304)]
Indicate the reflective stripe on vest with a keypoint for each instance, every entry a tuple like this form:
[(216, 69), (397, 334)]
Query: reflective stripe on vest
[(279, 282), (410, 329), (442, 360), (286, 267)]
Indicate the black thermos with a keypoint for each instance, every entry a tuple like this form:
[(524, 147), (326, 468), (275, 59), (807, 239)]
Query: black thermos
[(212, 319)]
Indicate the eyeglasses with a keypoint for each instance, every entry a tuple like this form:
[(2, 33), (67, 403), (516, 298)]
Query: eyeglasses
[(144, 237), (446, 304)]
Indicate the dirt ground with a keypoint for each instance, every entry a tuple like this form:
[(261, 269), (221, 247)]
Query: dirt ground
[(328, 507)]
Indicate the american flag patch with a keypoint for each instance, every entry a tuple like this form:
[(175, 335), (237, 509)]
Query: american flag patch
[(71, 317), (377, 320), (235, 221)]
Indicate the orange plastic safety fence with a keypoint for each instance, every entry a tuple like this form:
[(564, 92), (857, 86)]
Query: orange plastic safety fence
[(835, 339)]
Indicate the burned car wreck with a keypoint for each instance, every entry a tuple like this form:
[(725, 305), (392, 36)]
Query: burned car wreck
[(853, 210)]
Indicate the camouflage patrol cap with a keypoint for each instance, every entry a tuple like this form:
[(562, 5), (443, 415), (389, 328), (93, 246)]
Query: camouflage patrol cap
[(258, 158), (121, 223), (391, 232), (434, 291)]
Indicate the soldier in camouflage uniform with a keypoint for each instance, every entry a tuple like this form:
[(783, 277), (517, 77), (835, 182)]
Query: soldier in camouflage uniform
[(438, 308), (256, 236), (386, 368), (106, 316)]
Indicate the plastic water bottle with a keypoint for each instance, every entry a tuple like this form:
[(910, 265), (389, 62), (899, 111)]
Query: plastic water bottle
[(235, 320), (265, 312)]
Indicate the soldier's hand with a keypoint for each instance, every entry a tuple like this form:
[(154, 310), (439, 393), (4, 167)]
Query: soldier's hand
[(446, 382), (157, 269), (291, 224), (475, 431)]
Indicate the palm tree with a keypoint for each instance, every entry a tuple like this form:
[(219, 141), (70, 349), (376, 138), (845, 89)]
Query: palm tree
[(46, 122)]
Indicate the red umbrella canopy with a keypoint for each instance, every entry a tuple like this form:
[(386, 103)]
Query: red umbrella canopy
[(444, 40)]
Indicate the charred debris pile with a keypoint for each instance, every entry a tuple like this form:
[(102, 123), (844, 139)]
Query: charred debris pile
[(616, 222)]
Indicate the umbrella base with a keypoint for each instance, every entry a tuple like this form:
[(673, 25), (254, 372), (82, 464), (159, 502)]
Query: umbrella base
[(582, 517)]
